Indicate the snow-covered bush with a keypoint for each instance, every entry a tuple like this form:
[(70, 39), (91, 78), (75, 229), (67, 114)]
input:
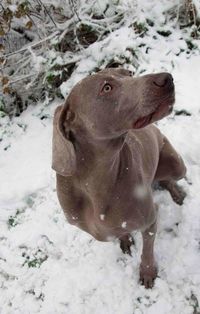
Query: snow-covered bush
[(45, 42)]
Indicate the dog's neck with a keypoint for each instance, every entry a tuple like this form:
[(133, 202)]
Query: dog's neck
[(93, 153)]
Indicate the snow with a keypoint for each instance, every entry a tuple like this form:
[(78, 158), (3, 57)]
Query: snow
[(49, 266), (102, 216), (140, 191), (124, 224)]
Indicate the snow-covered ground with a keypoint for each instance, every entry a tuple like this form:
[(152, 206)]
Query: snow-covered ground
[(49, 266)]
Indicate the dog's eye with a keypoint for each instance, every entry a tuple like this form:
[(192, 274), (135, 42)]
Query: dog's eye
[(107, 88)]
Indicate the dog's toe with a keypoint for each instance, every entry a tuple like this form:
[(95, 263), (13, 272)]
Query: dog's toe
[(148, 276)]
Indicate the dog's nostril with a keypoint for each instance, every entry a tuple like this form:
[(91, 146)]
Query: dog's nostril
[(163, 80)]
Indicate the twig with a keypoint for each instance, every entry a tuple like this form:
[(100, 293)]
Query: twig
[(57, 67), (2, 6), (23, 59), (71, 3), (22, 66), (34, 24), (31, 46), (49, 15), (36, 16), (22, 78), (90, 23)]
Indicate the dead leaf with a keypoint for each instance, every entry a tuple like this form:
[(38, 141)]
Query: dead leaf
[(29, 24), (4, 80), (2, 32), (2, 47), (2, 61), (6, 90)]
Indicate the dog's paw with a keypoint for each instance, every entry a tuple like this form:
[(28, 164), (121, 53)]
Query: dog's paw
[(125, 244), (178, 194), (148, 275)]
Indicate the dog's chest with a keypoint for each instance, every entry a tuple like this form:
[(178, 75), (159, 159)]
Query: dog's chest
[(127, 205), (105, 210)]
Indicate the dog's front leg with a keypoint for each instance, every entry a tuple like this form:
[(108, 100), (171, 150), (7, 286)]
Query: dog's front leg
[(148, 269)]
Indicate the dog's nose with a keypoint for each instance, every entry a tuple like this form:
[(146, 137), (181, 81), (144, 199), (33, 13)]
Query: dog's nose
[(163, 80)]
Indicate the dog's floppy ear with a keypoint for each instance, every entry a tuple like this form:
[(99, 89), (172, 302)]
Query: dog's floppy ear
[(63, 153)]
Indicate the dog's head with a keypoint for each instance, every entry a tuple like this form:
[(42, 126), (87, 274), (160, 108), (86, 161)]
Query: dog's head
[(109, 103)]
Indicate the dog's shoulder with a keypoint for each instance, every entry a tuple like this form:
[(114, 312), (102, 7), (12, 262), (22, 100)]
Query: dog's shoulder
[(148, 137)]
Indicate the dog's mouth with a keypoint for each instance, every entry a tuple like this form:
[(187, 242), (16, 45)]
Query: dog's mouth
[(160, 112)]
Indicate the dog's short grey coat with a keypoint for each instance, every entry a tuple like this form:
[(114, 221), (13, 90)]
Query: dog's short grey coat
[(107, 154)]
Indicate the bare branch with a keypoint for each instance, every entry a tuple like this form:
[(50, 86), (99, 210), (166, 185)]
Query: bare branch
[(49, 15), (74, 9), (22, 78), (32, 45)]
